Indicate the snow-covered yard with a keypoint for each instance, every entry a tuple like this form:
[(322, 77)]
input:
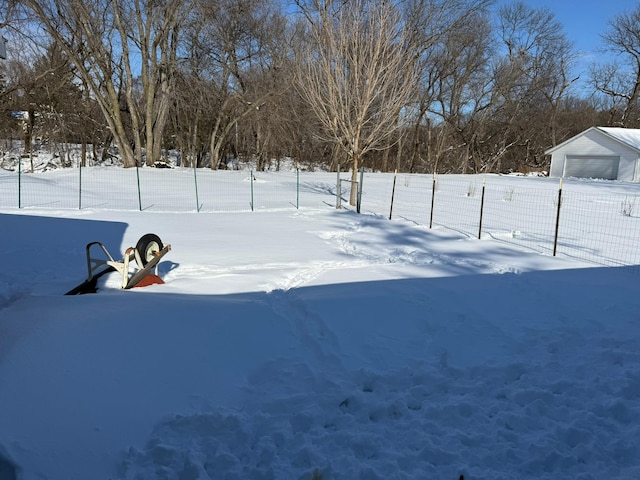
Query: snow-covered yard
[(312, 343)]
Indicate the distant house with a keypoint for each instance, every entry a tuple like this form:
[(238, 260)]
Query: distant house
[(610, 153)]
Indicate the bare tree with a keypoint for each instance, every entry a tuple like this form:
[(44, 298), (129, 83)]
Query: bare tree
[(230, 43), (357, 74), (620, 81), (113, 44), (440, 30), (531, 77), (58, 100), (153, 29), (189, 125), (460, 86)]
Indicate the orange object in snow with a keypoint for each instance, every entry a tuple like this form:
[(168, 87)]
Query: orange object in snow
[(150, 279)]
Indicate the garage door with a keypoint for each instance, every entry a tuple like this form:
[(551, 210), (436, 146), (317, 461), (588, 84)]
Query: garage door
[(586, 166)]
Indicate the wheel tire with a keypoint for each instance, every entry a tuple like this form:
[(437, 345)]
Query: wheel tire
[(147, 247)]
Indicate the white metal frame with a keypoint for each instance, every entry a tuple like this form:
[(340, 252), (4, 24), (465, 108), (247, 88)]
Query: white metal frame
[(123, 266)]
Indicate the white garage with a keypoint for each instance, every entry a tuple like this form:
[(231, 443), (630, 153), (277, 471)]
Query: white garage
[(610, 153)]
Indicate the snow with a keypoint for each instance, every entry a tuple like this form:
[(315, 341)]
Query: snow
[(629, 136), (312, 343)]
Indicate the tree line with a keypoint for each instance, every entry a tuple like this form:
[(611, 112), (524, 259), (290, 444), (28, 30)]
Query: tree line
[(458, 86)]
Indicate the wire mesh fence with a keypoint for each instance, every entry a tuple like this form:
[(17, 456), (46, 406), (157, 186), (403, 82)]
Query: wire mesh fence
[(598, 222), (155, 189)]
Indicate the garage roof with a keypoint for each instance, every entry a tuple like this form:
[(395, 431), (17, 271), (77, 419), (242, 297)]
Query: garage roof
[(628, 136)]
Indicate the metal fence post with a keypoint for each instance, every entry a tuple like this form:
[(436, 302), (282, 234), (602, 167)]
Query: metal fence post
[(297, 188), (393, 192), (481, 208), (251, 173), (433, 198), (338, 189), (555, 237), (359, 197), (139, 194), (80, 186), (195, 181), (20, 182)]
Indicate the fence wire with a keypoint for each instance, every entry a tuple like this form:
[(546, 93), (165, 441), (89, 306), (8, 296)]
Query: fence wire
[(598, 222)]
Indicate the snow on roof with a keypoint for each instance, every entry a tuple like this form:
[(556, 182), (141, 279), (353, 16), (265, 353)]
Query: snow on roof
[(628, 136)]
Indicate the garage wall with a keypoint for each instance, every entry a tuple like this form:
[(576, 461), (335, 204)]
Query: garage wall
[(594, 143)]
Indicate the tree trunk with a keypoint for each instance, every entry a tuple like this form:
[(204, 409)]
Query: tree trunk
[(215, 147), (158, 120), (353, 198)]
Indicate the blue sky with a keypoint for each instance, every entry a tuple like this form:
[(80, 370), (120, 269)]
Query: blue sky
[(584, 22)]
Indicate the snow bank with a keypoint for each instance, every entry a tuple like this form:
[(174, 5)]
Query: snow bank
[(313, 344)]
